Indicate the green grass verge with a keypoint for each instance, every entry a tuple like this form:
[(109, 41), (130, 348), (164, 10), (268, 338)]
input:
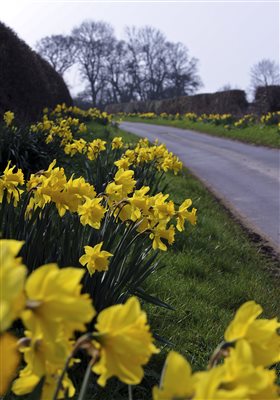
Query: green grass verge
[(96, 130), (209, 272), (259, 135)]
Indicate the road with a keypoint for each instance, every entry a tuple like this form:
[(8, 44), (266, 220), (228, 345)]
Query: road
[(244, 177)]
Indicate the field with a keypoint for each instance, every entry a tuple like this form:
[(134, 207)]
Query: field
[(190, 287)]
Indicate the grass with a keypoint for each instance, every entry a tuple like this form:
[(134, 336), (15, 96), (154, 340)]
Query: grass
[(96, 130), (260, 135)]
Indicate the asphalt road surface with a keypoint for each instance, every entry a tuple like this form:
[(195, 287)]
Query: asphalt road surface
[(245, 177)]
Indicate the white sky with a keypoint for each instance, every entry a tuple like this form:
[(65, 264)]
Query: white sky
[(227, 37)]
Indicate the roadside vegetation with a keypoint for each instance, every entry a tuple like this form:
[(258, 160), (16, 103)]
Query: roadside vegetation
[(263, 131), (209, 272), (103, 278)]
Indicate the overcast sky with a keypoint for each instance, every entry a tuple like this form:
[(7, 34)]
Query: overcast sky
[(227, 37)]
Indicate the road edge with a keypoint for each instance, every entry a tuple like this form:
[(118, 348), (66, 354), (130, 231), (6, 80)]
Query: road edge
[(265, 244)]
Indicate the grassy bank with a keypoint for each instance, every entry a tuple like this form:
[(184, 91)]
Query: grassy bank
[(257, 134)]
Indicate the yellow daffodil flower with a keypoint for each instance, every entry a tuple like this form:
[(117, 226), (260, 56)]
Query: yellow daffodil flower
[(27, 382), (126, 343), (9, 182), (123, 163), (161, 232), (9, 360), (125, 180), (261, 333), (237, 378), (117, 143), (91, 212), (12, 278), (183, 214), (95, 259), (55, 302), (8, 117), (176, 381)]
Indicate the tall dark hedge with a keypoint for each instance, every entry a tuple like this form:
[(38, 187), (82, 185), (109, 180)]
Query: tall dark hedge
[(267, 99), (27, 82), (231, 101)]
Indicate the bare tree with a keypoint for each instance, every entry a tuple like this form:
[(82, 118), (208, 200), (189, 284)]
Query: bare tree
[(160, 68), (264, 73), (120, 86), (58, 50), (93, 42), (183, 78), (147, 61), (143, 67)]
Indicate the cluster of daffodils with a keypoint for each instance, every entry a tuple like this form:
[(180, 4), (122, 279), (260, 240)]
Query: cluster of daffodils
[(67, 128), (62, 128), (61, 110), (245, 121), (241, 367), (90, 149), (154, 214), (67, 124), (53, 310), (271, 118), (156, 154), (228, 121), (143, 153)]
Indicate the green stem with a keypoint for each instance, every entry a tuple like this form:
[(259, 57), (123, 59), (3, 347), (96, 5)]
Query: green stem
[(59, 383), (86, 379), (130, 397)]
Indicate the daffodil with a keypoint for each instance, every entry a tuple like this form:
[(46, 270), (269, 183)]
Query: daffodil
[(117, 143), (9, 182), (177, 381), (114, 193), (95, 147), (43, 359), (91, 212), (125, 180), (261, 334), (8, 117), (123, 163), (12, 279), (183, 214), (95, 259), (126, 343), (55, 302), (9, 360), (27, 381), (237, 378), (39, 353), (160, 232), (77, 146), (162, 209), (77, 191)]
